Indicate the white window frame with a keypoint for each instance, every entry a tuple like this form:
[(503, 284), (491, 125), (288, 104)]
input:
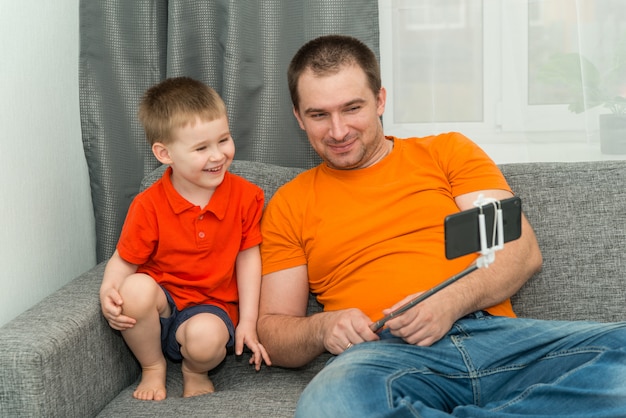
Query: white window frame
[(491, 81), (517, 114), (507, 117)]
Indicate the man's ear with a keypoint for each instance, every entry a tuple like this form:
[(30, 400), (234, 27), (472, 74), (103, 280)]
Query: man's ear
[(161, 153), (297, 115), (381, 100)]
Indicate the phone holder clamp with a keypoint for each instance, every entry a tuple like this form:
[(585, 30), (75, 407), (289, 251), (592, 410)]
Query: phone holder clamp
[(488, 253)]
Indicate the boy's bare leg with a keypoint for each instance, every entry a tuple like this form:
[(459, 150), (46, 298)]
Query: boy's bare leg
[(145, 301), (195, 383), (203, 339)]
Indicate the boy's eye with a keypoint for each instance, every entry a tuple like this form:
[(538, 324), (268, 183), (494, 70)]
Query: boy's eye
[(202, 148)]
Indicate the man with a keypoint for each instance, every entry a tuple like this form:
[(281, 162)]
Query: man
[(364, 232)]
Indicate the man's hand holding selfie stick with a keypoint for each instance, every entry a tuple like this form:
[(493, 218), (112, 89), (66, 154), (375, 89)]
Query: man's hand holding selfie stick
[(476, 220)]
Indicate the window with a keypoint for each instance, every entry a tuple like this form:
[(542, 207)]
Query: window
[(490, 69)]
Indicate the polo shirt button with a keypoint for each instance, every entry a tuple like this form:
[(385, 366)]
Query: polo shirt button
[(201, 234), (201, 217)]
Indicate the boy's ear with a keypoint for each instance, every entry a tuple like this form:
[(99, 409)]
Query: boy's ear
[(161, 153)]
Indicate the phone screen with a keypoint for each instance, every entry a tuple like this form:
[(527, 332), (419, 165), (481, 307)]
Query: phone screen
[(462, 235)]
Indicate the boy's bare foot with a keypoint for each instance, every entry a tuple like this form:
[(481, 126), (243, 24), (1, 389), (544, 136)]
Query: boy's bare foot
[(152, 385), (195, 384)]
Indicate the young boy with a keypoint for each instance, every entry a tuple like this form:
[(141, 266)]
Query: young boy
[(187, 268)]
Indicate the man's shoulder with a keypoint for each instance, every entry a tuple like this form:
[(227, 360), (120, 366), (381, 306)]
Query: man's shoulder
[(436, 140), (295, 191), (302, 181)]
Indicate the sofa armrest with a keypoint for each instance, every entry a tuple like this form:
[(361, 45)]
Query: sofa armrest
[(60, 358)]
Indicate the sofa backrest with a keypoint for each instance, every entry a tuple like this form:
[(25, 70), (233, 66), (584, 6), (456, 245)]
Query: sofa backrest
[(578, 212), (267, 176)]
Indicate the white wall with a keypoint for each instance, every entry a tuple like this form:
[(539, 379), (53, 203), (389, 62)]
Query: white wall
[(46, 222)]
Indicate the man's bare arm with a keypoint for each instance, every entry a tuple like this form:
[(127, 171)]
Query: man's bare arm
[(290, 337), (485, 287)]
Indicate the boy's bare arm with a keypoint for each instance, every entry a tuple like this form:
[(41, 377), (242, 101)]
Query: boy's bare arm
[(116, 270), (248, 267)]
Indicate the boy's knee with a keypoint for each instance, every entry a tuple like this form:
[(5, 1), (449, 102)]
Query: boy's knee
[(139, 292), (203, 337)]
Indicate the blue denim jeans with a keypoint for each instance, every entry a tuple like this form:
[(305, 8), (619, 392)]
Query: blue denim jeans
[(484, 367)]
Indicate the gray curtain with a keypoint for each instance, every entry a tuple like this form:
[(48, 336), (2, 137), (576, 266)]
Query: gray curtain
[(239, 47)]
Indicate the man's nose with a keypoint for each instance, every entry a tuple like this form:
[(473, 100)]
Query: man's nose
[(338, 127)]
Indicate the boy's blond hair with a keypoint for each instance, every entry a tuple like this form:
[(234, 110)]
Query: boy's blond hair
[(176, 102)]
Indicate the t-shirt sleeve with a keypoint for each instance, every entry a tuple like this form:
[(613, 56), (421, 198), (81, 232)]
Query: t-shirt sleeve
[(282, 248), (468, 167)]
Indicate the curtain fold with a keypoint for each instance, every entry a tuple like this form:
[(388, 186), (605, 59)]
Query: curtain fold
[(240, 48)]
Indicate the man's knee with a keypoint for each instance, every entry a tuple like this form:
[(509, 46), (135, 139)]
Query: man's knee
[(345, 387)]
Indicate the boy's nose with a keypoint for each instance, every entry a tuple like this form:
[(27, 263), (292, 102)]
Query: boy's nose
[(215, 154)]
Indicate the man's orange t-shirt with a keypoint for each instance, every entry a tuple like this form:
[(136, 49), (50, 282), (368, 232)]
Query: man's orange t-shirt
[(190, 251), (372, 236)]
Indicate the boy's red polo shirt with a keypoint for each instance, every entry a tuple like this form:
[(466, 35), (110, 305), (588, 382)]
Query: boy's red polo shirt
[(190, 251)]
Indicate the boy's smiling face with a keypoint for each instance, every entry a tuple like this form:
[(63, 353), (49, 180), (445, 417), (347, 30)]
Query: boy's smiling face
[(200, 153)]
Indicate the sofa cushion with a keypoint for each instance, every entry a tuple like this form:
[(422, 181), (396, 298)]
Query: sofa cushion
[(240, 392), (578, 212)]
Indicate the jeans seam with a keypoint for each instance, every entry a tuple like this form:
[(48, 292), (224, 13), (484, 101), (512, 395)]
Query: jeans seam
[(472, 373), (390, 383), (527, 392)]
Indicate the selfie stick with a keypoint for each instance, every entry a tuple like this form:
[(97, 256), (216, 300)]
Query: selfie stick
[(487, 256)]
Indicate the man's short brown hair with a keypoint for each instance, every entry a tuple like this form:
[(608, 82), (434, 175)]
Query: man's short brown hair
[(326, 55)]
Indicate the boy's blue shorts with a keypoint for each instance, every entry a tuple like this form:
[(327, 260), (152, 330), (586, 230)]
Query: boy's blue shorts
[(170, 325)]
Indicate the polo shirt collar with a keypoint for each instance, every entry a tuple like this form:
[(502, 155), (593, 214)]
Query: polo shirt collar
[(217, 205)]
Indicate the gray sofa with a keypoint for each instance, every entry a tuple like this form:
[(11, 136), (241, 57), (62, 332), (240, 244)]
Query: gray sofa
[(61, 359)]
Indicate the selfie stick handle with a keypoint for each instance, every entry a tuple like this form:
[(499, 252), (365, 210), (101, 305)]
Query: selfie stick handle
[(381, 322)]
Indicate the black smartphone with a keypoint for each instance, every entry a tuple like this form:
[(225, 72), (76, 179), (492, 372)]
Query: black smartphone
[(462, 235)]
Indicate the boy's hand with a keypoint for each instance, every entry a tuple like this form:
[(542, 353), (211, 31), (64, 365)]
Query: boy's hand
[(246, 334), (111, 304)]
